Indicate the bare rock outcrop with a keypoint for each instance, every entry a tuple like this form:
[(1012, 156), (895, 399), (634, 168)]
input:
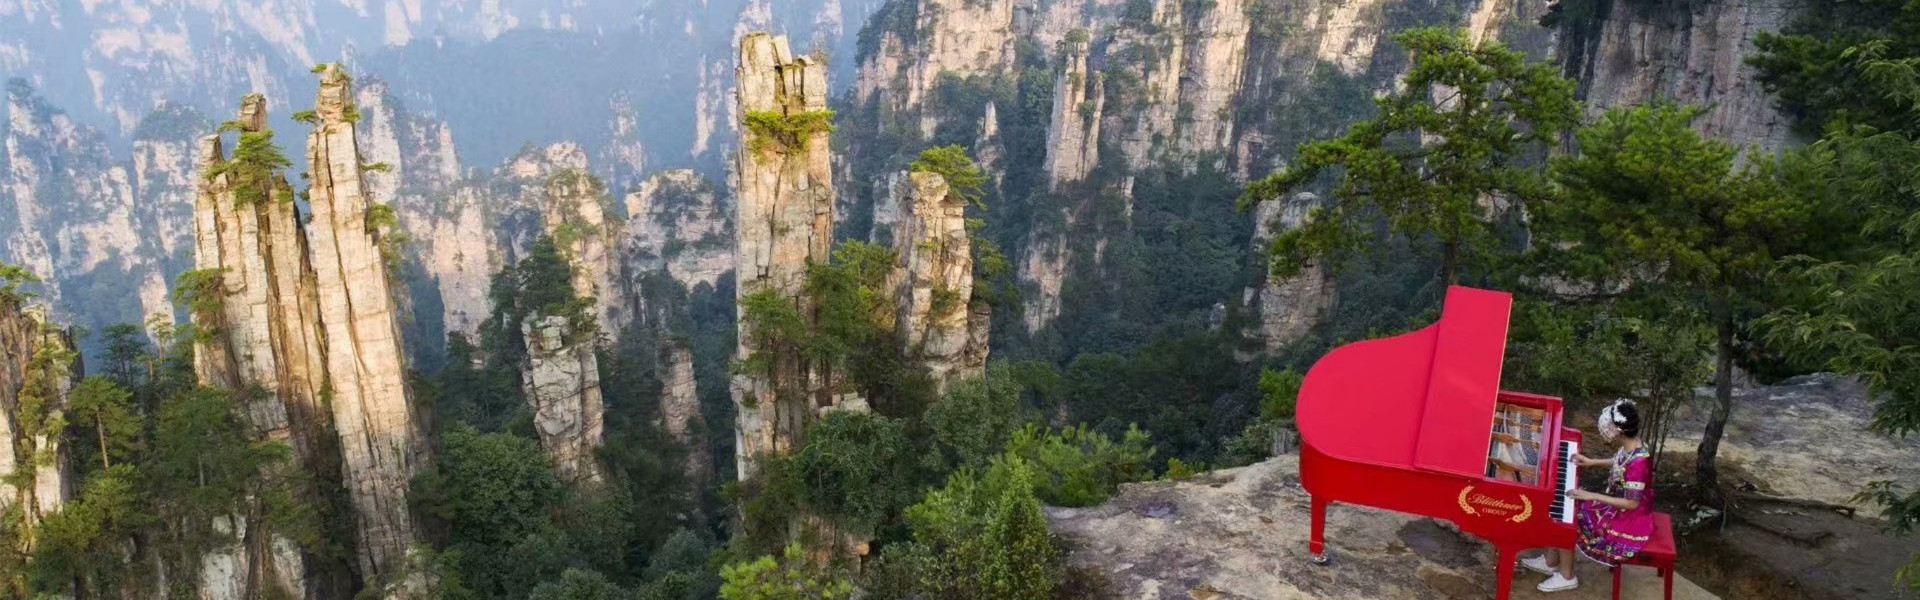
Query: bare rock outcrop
[(1689, 54), (94, 227), (561, 378), (1211, 82), (36, 372), (938, 317), (785, 220), (381, 445), (680, 414), (577, 220), (1241, 534), (943, 38), (1288, 308), (678, 222), (255, 296), (1073, 135), (1808, 437), (454, 247)]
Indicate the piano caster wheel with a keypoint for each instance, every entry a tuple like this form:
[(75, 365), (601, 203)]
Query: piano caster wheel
[(1322, 558)]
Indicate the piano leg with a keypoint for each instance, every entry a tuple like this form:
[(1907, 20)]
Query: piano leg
[(1318, 544), (1504, 574)]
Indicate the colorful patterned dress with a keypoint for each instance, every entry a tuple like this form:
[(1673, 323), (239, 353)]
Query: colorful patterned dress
[(1609, 535)]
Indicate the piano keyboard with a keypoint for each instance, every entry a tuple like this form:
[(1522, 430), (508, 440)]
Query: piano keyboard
[(1563, 506)]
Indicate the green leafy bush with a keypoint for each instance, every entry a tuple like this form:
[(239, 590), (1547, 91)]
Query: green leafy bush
[(793, 577), (982, 535), (977, 418), (964, 178), (1077, 466), (775, 131)]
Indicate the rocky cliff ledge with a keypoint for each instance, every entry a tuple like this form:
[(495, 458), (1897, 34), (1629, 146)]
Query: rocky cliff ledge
[(1241, 534)]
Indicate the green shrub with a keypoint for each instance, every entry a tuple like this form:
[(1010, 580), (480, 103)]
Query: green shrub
[(977, 418), (980, 536), (793, 577), (1279, 394), (1081, 467), (785, 133)]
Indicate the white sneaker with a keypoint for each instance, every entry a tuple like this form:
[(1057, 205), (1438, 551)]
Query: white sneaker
[(1537, 564), (1557, 583)]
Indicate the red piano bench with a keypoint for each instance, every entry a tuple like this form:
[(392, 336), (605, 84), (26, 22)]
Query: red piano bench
[(1660, 554)]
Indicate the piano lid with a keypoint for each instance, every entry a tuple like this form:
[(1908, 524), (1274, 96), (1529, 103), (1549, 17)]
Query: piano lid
[(1422, 399)]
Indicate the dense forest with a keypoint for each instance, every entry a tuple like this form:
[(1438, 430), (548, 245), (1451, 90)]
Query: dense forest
[(1648, 261)]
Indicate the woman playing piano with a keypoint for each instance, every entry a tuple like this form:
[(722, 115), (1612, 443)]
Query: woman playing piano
[(1614, 525)]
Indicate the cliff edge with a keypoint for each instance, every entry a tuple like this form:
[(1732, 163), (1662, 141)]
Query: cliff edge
[(1241, 534)]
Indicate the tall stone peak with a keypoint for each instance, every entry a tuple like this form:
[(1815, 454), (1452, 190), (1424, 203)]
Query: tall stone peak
[(677, 221), (562, 381), (784, 216), (335, 102), (939, 320), (1288, 308), (942, 38), (381, 444), (36, 372), (1079, 100), (575, 216)]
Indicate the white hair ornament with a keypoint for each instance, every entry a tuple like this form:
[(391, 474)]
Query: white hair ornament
[(1611, 418)]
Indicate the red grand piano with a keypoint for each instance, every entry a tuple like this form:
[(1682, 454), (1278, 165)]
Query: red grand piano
[(1417, 423)]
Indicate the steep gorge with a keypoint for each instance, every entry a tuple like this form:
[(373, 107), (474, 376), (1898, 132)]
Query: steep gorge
[(1152, 91)]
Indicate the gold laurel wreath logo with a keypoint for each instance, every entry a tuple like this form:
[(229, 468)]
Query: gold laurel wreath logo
[(1526, 509), (1463, 501)]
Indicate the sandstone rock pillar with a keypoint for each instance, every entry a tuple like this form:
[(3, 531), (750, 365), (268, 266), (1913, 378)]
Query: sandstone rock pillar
[(380, 445), (36, 364), (261, 341), (934, 276), (1073, 135), (785, 222), (1288, 308), (562, 381), (680, 414)]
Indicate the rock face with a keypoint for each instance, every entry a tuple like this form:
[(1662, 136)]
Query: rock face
[(577, 220), (36, 371), (562, 381), (1212, 79), (248, 240), (105, 233), (381, 445), (939, 321), (1694, 54), (785, 221), (1809, 438), (943, 38), (1241, 534), (1288, 308), (1073, 138), (454, 252), (680, 414), (678, 222)]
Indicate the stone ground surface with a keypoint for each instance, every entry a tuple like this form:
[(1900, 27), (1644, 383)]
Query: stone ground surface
[(1807, 437), (1241, 534)]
